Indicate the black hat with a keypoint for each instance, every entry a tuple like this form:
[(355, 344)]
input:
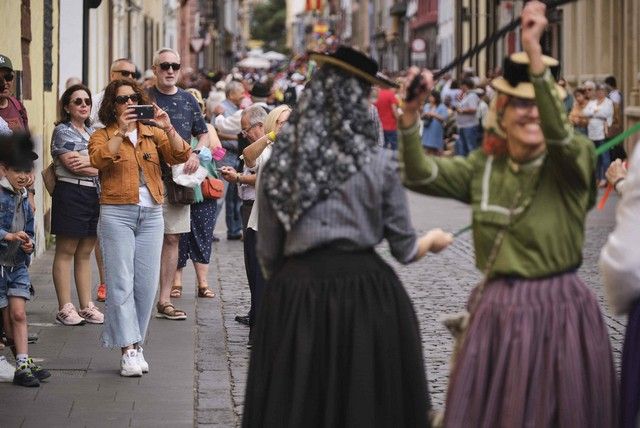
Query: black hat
[(260, 90), (16, 151), (356, 63), (515, 76)]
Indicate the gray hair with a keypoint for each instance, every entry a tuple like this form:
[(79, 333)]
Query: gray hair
[(156, 55), (256, 114), (233, 86), (118, 61)]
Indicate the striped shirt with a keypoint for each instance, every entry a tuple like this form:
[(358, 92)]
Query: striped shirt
[(367, 208)]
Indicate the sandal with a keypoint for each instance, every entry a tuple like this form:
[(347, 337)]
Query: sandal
[(206, 292), (176, 291), (168, 311)]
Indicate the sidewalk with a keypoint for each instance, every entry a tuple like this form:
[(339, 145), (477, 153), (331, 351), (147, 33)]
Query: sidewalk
[(86, 389)]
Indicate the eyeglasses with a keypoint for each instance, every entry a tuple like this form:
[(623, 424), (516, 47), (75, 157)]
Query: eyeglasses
[(125, 73), (521, 103), (122, 99), (8, 77), (245, 131), (79, 101), (167, 65)]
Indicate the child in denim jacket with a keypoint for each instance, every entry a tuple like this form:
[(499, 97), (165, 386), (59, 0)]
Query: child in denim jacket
[(16, 247)]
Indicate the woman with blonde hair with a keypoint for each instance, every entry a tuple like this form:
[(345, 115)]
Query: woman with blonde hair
[(255, 156)]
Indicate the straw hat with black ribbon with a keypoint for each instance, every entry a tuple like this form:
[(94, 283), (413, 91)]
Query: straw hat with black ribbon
[(514, 82), (355, 63)]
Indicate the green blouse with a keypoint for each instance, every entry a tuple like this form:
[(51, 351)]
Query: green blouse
[(554, 193)]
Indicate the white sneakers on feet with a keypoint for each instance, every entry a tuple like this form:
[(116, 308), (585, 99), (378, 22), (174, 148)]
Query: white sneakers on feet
[(91, 314), (129, 365), (6, 370), (68, 315), (144, 366)]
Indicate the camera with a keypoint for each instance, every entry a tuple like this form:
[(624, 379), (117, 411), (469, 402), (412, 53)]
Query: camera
[(143, 111)]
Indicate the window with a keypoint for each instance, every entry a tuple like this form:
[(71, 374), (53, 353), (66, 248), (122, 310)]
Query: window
[(48, 45), (25, 39)]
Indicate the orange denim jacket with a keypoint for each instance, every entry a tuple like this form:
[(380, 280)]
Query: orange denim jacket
[(119, 173)]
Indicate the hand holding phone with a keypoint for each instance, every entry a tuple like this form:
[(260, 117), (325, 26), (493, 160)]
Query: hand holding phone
[(143, 111)]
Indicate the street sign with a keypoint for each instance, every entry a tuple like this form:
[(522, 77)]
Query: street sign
[(418, 57), (418, 45)]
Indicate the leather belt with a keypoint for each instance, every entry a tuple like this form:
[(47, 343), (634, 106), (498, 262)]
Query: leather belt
[(86, 183)]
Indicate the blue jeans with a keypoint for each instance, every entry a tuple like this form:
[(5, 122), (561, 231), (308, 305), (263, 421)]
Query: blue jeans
[(14, 282), (390, 140), (469, 140), (604, 160), (131, 241), (231, 200)]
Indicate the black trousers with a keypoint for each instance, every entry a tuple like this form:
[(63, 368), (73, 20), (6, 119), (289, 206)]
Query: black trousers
[(254, 273)]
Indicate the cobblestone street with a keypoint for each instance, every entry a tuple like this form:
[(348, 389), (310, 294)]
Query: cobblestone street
[(437, 285)]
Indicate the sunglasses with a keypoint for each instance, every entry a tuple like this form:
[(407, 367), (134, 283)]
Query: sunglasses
[(80, 101), (167, 65), (522, 103), (125, 73), (8, 77), (122, 99)]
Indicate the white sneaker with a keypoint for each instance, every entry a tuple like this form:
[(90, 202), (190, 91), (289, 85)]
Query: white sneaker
[(129, 364), (91, 314), (6, 370), (144, 366)]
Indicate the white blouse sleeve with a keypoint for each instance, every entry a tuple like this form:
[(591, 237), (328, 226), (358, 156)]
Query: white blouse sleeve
[(620, 257)]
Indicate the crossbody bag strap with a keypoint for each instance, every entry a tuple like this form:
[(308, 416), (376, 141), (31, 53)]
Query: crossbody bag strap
[(493, 255)]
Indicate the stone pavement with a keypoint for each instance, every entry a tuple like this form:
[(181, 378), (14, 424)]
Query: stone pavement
[(437, 285), (198, 366), (85, 389)]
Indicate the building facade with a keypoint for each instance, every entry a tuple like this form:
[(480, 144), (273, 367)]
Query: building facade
[(33, 50), (601, 38)]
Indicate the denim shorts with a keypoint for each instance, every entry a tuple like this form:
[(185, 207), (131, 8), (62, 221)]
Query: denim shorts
[(14, 282)]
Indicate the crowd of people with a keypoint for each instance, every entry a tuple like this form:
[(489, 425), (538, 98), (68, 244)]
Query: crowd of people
[(314, 160)]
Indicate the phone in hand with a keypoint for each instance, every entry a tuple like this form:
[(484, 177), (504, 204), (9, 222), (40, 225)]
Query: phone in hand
[(143, 111)]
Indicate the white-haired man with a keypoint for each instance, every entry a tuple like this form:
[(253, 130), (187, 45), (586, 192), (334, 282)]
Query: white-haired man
[(186, 118)]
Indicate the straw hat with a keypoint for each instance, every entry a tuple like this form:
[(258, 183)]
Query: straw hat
[(515, 78), (356, 63)]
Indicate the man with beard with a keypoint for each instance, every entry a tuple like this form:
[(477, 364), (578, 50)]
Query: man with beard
[(185, 115)]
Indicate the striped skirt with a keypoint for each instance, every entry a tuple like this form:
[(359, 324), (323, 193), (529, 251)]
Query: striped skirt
[(537, 354)]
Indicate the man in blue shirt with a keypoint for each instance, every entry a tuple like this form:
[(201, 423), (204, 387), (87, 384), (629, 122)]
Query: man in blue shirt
[(184, 112)]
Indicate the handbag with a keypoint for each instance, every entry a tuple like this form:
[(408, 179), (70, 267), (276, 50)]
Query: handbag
[(49, 178), (176, 194), (212, 188), (179, 195)]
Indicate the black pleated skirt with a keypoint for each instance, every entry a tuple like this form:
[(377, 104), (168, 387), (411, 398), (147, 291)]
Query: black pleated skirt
[(337, 344)]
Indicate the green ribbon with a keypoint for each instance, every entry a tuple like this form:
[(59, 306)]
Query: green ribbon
[(618, 139), (600, 150)]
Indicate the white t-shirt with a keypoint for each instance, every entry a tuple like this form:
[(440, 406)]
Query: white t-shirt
[(260, 161), (599, 114), (96, 102), (145, 198)]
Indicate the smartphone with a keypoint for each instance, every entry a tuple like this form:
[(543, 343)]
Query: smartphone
[(143, 111)]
